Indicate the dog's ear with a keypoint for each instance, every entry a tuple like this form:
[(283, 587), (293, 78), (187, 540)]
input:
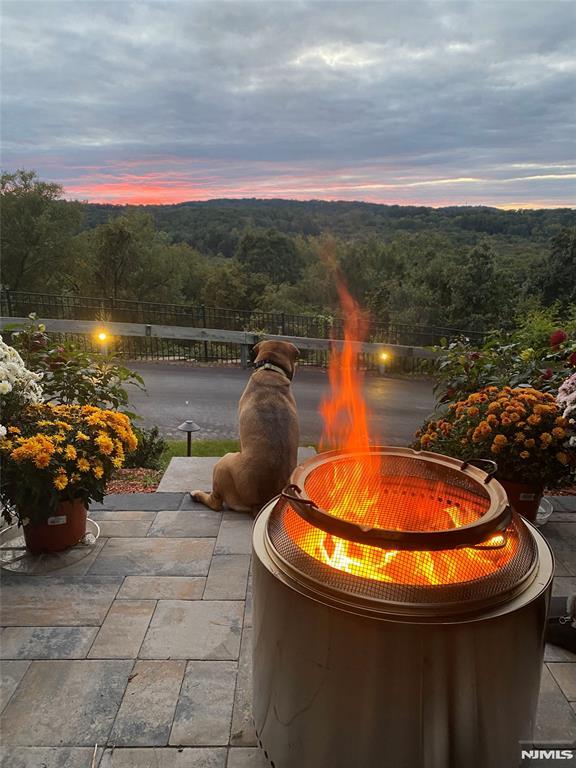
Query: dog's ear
[(254, 351), (295, 351)]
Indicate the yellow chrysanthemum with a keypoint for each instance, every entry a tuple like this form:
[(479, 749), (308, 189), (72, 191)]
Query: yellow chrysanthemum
[(70, 452), (104, 443), (84, 438), (562, 457), (559, 433), (60, 481), (83, 465), (524, 455), (38, 449)]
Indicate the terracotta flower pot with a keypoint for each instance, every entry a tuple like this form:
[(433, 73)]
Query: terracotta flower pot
[(62, 530), (524, 498)]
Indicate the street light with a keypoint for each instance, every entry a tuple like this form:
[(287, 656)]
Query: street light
[(189, 426)]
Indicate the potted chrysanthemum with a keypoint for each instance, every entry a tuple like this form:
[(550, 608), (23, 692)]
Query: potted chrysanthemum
[(522, 429), (56, 459)]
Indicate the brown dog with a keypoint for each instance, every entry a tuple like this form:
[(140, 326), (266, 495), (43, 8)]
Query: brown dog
[(269, 434)]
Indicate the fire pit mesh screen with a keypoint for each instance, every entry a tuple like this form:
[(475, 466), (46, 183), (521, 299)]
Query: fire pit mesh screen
[(410, 495), (445, 576)]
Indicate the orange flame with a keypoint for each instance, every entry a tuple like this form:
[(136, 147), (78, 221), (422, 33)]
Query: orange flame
[(357, 492)]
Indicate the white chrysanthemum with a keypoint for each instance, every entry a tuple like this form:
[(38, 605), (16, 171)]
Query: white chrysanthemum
[(2, 430), (15, 377)]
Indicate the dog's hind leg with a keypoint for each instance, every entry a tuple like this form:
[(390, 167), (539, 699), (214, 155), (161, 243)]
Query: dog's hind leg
[(212, 500)]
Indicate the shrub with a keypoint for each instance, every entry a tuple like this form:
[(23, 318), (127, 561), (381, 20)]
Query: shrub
[(151, 446), (71, 375), (503, 359)]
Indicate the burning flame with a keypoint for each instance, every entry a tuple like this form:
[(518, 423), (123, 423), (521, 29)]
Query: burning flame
[(355, 490)]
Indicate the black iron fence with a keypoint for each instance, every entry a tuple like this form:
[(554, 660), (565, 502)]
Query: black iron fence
[(224, 352), (22, 303)]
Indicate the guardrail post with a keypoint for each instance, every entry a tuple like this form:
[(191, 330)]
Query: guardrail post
[(204, 326), (245, 355)]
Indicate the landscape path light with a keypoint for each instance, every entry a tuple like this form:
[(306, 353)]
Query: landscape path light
[(383, 359), (103, 338), (189, 426)]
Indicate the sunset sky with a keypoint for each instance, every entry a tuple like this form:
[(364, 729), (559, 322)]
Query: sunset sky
[(436, 103)]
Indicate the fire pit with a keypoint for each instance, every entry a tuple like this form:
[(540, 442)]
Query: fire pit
[(399, 612)]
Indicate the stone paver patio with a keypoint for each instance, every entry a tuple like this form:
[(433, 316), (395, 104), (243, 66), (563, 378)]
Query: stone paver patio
[(144, 647)]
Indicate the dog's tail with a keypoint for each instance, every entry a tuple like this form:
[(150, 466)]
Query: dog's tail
[(212, 500)]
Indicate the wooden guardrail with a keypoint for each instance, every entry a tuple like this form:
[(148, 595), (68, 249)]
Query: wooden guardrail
[(244, 338)]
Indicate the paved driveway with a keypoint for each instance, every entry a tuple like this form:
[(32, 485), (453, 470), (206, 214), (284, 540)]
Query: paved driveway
[(210, 394)]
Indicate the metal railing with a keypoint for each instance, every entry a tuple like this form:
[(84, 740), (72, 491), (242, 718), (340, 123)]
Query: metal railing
[(138, 341), (65, 307)]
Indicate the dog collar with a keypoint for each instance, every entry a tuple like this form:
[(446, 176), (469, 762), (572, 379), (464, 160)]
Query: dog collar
[(268, 365)]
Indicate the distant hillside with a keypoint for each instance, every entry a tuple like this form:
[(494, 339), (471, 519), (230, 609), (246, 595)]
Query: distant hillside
[(214, 226)]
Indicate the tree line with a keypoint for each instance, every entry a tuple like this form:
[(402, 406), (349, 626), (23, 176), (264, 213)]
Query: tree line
[(472, 268)]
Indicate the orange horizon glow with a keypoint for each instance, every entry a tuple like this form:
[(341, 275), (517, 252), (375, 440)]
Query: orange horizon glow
[(122, 195), (168, 180)]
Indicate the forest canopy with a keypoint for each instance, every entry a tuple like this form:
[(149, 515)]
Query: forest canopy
[(474, 268)]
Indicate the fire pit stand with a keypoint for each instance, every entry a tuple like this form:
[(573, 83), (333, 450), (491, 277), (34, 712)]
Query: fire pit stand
[(394, 668)]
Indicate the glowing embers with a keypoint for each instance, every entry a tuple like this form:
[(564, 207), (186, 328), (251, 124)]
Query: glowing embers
[(454, 566)]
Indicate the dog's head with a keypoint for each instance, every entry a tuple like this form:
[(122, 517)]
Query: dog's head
[(281, 353)]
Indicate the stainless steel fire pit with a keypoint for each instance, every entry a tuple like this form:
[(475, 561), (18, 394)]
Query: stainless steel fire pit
[(401, 627)]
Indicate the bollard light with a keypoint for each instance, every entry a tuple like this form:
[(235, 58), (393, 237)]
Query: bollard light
[(189, 426), (103, 338)]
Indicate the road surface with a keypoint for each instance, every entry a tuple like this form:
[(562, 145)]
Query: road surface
[(209, 395)]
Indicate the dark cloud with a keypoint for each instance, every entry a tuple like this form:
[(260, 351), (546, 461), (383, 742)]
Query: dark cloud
[(436, 102)]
